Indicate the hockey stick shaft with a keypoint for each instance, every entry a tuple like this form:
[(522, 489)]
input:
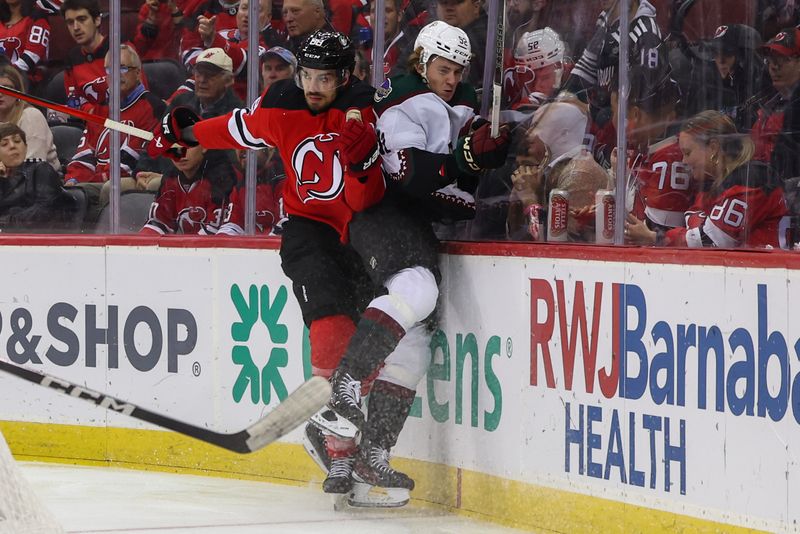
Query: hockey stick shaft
[(296, 408), (79, 114)]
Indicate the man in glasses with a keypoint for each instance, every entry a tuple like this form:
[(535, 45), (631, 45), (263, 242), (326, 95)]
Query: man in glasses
[(213, 93), (139, 107)]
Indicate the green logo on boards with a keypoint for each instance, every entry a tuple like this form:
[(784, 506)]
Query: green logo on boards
[(260, 380)]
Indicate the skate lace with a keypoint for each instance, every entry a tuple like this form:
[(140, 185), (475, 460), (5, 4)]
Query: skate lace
[(379, 459), (341, 467), (351, 391)]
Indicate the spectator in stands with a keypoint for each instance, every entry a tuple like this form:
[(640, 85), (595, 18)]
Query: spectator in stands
[(270, 180), (737, 74), (536, 74), (221, 14), (31, 196), (523, 16), (594, 72), (398, 41), (739, 202), (470, 17), (234, 42), (555, 158), (302, 17), (278, 63), (157, 35), (194, 194), (782, 55), (89, 168), (660, 186), (85, 62), (213, 94), (39, 138), (24, 36)]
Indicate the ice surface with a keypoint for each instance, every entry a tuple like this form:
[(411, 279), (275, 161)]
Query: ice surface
[(102, 500)]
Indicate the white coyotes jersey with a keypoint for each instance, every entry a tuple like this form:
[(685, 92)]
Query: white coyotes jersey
[(417, 118)]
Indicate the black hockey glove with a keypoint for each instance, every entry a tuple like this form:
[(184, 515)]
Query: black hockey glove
[(174, 122), (479, 150)]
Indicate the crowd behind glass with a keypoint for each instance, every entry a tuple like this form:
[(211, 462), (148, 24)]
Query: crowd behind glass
[(711, 118)]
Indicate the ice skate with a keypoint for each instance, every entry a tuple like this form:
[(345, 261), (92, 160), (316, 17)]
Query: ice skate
[(376, 484), (343, 416), (339, 480), (314, 443)]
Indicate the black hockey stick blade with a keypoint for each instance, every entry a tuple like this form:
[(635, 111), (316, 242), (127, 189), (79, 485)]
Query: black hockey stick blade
[(301, 404)]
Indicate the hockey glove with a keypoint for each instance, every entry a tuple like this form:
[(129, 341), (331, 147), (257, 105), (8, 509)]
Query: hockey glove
[(177, 120), (159, 146), (358, 146), (479, 150)]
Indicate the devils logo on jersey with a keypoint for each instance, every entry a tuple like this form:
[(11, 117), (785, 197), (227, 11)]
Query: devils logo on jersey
[(318, 169), (194, 220), (10, 46), (517, 84)]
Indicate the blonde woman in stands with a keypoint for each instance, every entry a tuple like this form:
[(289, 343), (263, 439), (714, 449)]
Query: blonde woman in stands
[(30, 119), (739, 202)]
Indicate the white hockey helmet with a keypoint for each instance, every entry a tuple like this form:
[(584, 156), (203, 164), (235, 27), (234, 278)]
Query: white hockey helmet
[(440, 39), (539, 49)]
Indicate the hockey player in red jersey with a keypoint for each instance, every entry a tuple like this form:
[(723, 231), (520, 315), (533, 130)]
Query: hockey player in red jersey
[(322, 126), (193, 196), (739, 202), (24, 36)]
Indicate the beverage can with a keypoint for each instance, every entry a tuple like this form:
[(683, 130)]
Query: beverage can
[(558, 215), (535, 215), (605, 211)]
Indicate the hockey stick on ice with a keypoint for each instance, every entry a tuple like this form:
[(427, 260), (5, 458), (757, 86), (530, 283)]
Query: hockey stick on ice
[(79, 114), (301, 404)]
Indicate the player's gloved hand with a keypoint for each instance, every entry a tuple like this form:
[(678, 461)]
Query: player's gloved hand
[(358, 144), (160, 146), (174, 122), (479, 150)]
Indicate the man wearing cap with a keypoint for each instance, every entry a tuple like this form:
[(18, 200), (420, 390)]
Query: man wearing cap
[(782, 56), (277, 63), (777, 134), (737, 74), (234, 41), (213, 81)]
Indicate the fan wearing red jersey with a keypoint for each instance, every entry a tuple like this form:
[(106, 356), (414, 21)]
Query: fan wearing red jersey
[(193, 196), (739, 202), (660, 183), (322, 125), (24, 35), (85, 62)]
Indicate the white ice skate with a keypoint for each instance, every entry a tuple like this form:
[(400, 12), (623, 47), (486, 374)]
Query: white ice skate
[(329, 421), (375, 483), (365, 495)]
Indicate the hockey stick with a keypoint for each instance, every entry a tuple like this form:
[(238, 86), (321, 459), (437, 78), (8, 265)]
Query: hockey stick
[(296, 408), (79, 114), (497, 85)]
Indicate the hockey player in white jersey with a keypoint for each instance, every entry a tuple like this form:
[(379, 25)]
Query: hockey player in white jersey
[(434, 148)]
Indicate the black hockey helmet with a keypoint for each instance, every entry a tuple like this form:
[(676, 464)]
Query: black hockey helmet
[(327, 50)]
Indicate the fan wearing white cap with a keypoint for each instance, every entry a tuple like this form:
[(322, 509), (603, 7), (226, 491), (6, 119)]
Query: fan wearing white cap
[(537, 71)]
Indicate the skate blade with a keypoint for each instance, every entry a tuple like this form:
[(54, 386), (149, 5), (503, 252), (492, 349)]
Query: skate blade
[(339, 501), (314, 455), (328, 421), (366, 496)]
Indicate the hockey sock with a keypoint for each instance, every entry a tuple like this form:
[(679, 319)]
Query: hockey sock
[(329, 338), (376, 336), (389, 405), (340, 447)]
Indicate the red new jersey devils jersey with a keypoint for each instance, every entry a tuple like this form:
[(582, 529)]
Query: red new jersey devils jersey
[(664, 188), (747, 209), (27, 42), (184, 208), (269, 209), (318, 187)]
